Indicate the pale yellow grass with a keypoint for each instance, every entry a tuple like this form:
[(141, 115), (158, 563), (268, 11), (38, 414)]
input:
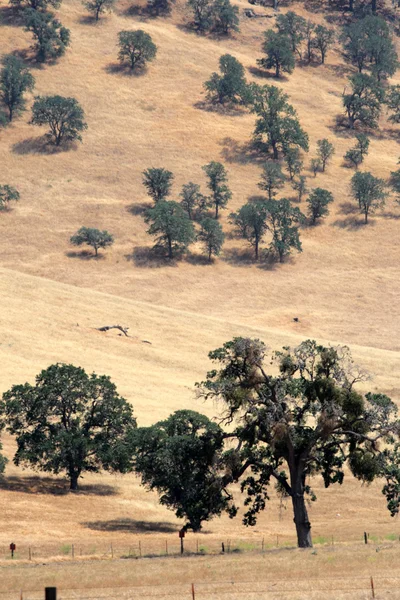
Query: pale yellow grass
[(343, 288)]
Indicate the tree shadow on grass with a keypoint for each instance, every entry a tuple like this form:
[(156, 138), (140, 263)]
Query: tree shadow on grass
[(41, 145), (235, 152), (131, 526), (263, 74), (117, 68), (348, 208), (199, 259), (150, 258), (89, 20), (84, 255), (48, 485), (231, 110), (139, 208), (352, 223)]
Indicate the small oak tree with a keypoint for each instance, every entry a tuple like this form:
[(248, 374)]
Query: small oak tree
[(98, 7), (220, 192), (369, 191), (392, 100), (202, 14), (136, 47), (7, 194), (68, 422), (300, 186), (42, 5), (322, 40), (363, 103), (282, 221), (64, 116), (356, 155), (318, 202), (212, 237), (15, 81), (230, 86), (251, 223), (294, 164), (92, 237), (279, 53), (172, 227), (225, 17), (316, 165), (193, 201), (272, 178), (158, 182), (51, 38), (294, 27), (325, 151)]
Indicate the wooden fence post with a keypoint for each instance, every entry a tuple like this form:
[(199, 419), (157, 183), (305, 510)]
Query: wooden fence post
[(365, 537), (166, 546), (193, 592), (372, 587)]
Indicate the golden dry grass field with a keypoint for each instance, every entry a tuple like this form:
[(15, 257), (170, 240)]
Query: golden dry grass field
[(344, 287)]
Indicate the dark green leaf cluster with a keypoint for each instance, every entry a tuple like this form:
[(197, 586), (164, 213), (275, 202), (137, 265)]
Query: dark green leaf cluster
[(220, 16), (15, 81), (158, 182), (64, 117), (318, 202), (279, 54), (40, 5), (51, 38), (355, 156), (220, 192), (92, 237), (230, 86), (7, 194), (172, 227), (98, 7), (369, 192), (136, 47), (363, 103), (212, 237)]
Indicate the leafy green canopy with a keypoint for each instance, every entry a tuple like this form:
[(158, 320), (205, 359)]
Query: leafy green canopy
[(180, 458), (92, 237), (64, 116), (212, 237), (297, 420), (158, 182), (279, 54), (220, 192), (98, 7), (7, 194), (68, 422), (231, 85), (363, 103), (136, 47), (318, 202), (15, 80), (171, 225), (369, 192), (51, 38)]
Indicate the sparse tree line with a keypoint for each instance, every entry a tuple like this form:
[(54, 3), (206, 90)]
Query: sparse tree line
[(287, 425)]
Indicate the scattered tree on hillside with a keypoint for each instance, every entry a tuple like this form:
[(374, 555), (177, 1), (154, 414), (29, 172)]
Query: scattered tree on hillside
[(294, 27), (43, 5), (395, 183), (136, 47), (98, 7), (172, 227), (64, 116), (392, 99), (51, 38), (356, 155), (158, 182), (220, 192), (7, 194), (318, 202), (159, 7), (363, 103), (282, 221), (369, 191), (225, 17), (316, 165), (192, 199), (202, 14), (322, 40), (68, 422), (92, 237), (279, 53), (309, 37), (231, 85), (212, 237), (300, 186), (180, 458), (277, 126), (325, 152), (298, 421), (294, 164), (250, 222), (15, 80), (272, 178)]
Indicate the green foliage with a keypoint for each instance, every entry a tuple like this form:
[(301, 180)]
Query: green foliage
[(309, 37), (300, 420), (369, 191), (356, 155), (294, 164), (325, 151), (294, 27), (136, 47), (15, 80), (173, 228), (363, 103), (98, 7), (202, 14), (392, 99), (7, 194), (395, 183), (272, 178), (180, 458), (158, 182), (279, 53), (64, 116), (225, 17), (318, 202), (300, 186), (92, 237), (68, 422), (316, 165), (159, 7), (277, 126), (251, 223), (42, 5), (322, 40), (212, 237), (220, 192), (282, 221), (51, 38), (230, 86), (193, 201)]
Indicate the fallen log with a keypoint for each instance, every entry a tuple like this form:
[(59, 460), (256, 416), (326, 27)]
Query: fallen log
[(107, 327)]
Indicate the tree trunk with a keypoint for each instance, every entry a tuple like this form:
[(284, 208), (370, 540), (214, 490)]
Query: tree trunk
[(256, 248), (322, 57), (275, 150), (366, 217), (373, 6), (10, 116), (209, 254), (170, 247), (73, 481), (216, 210), (277, 70), (303, 526), (95, 250)]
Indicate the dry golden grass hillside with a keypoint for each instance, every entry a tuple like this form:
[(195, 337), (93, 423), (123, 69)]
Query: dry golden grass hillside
[(344, 287)]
